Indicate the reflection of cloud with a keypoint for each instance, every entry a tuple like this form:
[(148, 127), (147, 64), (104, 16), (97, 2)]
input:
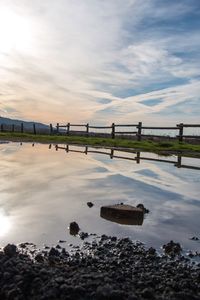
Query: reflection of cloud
[(44, 190), (84, 54)]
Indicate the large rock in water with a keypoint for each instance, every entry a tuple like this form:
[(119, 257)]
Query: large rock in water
[(123, 214)]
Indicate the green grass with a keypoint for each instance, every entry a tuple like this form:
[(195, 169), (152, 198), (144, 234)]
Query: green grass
[(98, 141)]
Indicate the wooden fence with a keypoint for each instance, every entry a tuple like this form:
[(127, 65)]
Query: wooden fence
[(135, 156), (115, 130), (136, 130)]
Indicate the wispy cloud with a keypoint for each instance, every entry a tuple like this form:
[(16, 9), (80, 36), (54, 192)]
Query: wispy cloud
[(100, 60)]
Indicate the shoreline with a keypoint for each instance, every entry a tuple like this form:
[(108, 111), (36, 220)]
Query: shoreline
[(109, 268), (122, 144)]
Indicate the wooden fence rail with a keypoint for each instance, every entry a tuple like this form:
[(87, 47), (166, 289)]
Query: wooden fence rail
[(137, 133), (127, 130)]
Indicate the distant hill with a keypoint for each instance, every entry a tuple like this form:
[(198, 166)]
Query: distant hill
[(9, 122)]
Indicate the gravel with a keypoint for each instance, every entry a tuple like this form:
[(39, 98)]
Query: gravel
[(106, 268)]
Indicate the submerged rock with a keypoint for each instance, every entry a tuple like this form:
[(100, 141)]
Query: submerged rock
[(74, 228), (194, 238), (172, 248), (90, 204)]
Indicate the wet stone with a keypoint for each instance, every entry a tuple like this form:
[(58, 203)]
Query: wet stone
[(10, 250), (90, 204)]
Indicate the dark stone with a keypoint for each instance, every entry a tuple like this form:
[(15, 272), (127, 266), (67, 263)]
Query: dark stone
[(10, 250), (39, 258), (90, 204), (141, 206), (195, 238), (74, 228), (172, 248), (54, 252), (83, 235)]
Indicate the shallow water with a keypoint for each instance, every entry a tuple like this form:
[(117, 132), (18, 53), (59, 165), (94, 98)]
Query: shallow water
[(42, 190)]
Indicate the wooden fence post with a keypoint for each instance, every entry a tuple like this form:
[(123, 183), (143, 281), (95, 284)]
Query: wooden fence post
[(139, 137), (34, 128), (57, 127), (13, 127), (68, 128), (86, 150), (50, 129), (1, 127), (180, 132), (22, 127), (87, 129), (113, 131)]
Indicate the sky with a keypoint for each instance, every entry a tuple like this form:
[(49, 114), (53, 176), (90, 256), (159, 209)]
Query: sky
[(100, 61)]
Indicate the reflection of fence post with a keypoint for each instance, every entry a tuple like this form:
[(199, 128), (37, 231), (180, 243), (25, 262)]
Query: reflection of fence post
[(22, 127), (68, 128), (87, 129), (139, 131), (2, 127), (113, 131), (57, 128), (111, 153), (180, 126), (179, 159), (138, 158), (50, 129), (13, 127), (34, 128)]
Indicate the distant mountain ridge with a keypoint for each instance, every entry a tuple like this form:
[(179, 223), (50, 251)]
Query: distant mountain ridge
[(28, 124)]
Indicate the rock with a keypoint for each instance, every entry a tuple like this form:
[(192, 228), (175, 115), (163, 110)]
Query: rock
[(83, 235), (74, 228), (10, 250), (123, 214), (152, 251), (39, 258), (90, 204), (61, 241), (54, 252), (141, 206), (172, 248), (194, 238)]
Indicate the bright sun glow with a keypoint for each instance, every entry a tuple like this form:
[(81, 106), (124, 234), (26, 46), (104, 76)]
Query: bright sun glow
[(5, 224), (15, 32)]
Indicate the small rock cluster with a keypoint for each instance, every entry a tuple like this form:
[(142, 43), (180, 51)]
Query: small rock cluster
[(105, 269)]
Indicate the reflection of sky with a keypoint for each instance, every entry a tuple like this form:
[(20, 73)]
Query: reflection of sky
[(42, 191)]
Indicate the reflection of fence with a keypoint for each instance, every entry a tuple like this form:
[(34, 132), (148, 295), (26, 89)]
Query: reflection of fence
[(135, 131), (136, 155), (116, 130)]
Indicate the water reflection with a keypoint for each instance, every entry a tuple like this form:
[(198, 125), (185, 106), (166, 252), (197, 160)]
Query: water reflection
[(43, 190), (137, 158)]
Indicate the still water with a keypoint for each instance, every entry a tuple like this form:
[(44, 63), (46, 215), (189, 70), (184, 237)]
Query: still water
[(42, 190)]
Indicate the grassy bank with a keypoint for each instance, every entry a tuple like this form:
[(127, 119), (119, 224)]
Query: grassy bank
[(99, 141)]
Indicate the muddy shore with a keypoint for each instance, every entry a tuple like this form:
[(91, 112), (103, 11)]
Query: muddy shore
[(107, 268)]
